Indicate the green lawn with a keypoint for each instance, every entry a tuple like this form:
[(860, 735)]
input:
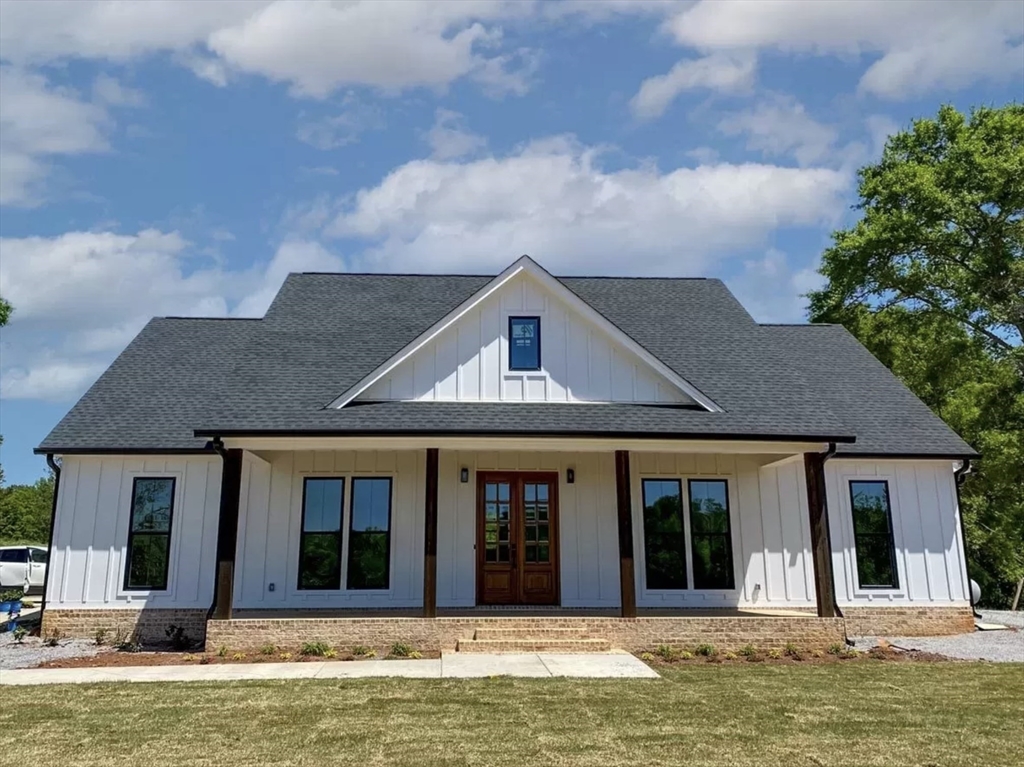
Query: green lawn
[(842, 714)]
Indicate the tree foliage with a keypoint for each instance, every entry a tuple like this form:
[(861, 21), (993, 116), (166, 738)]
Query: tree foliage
[(25, 512), (931, 280)]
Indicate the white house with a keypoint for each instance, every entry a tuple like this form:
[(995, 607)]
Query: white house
[(417, 457)]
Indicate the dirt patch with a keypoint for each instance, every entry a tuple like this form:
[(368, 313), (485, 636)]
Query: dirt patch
[(113, 657), (874, 655)]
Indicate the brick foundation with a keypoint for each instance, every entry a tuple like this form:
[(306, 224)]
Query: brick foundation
[(908, 621), (725, 633), (149, 625)]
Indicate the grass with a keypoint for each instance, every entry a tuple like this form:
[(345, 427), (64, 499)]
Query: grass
[(837, 714)]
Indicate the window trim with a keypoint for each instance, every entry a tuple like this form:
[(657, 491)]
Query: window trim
[(687, 579), (540, 359), (893, 561), (302, 535), (126, 587), (351, 518), (728, 532)]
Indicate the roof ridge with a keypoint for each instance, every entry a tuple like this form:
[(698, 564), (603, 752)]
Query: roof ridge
[(209, 319), (492, 276), (799, 324)]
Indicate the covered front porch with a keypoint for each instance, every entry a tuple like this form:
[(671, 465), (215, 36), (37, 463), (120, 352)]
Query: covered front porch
[(677, 538)]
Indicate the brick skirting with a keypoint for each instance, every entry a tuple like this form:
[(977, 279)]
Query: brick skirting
[(908, 621), (434, 634), (149, 625)]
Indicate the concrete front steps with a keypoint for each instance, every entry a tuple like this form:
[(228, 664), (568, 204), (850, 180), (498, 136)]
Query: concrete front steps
[(527, 640)]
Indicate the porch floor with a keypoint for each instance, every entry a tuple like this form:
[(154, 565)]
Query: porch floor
[(532, 611)]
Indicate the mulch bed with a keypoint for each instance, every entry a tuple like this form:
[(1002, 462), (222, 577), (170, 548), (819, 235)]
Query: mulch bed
[(112, 657), (802, 658)]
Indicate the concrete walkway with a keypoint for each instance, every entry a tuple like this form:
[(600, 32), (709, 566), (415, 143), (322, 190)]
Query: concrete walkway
[(450, 665)]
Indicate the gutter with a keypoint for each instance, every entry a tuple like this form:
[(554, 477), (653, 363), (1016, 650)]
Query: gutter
[(959, 476), (829, 453), (55, 468)]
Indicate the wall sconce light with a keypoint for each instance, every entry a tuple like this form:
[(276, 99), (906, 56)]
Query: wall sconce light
[(570, 476), (464, 475)]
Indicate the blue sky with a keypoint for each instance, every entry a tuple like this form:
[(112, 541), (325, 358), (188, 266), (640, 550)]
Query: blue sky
[(180, 158)]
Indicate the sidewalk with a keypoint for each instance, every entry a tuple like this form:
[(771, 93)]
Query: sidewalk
[(449, 666)]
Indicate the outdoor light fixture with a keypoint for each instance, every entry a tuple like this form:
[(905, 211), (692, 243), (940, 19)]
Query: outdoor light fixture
[(570, 476), (464, 475)]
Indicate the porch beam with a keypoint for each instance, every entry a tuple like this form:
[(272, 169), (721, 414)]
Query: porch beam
[(627, 580), (821, 549), (227, 534), (430, 537)]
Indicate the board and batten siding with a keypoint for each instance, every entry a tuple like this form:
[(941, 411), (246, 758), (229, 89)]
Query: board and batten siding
[(469, 360), (769, 526), (926, 532), (90, 533), (270, 520)]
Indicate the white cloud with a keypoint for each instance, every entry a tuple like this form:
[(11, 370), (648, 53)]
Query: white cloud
[(315, 47), (922, 46), (449, 138), (552, 199), (780, 125), (38, 122), (772, 290), (730, 73), (109, 90), (80, 297), (344, 128)]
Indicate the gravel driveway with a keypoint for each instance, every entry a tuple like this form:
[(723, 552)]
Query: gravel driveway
[(32, 651), (998, 646)]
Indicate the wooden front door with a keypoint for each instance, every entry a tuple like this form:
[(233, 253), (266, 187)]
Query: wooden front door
[(517, 538)]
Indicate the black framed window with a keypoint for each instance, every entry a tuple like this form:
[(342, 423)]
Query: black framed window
[(524, 343), (710, 536), (323, 499), (369, 543), (664, 535), (872, 534), (149, 534)]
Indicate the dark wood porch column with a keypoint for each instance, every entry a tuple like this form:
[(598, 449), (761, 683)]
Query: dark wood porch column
[(627, 581), (430, 538), (821, 548), (227, 534)]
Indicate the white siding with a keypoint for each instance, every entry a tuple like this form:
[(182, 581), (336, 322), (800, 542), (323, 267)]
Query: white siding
[(926, 531), (469, 360), (768, 521), (270, 519), (91, 531), (588, 534)]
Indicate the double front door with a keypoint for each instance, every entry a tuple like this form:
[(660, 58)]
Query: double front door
[(517, 538)]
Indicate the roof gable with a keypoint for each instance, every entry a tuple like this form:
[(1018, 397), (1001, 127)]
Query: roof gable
[(585, 357)]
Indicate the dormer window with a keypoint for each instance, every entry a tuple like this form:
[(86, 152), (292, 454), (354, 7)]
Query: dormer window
[(524, 343)]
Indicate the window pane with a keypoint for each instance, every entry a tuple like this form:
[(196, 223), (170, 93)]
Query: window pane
[(664, 543), (370, 539), (709, 528), (152, 500), (147, 561), (320, 541), (872, 533), (41, 556), (524, 343)]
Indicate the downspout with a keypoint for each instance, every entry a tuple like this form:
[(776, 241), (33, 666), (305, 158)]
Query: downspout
[(55, 468), (959, 476), (829, 453), (217, 444)]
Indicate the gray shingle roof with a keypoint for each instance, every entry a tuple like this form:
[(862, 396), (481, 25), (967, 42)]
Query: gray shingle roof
[(324, 332)]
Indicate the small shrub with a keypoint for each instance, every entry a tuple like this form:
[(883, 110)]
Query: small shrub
[(748, 651), (836, 649), (415, 655), (370, 653), (130, 643), (188, 657), (100, 636), (706, 650), (332, 653), (316, 649), (222, 651), (285, 656), (685, 655), (238, 656), (180, 641), (204, 660), (361, 650), (268, 649), (774, 653), (53, 638), (791, 650), (400, 650), (729, 656), (665, 652), (12, 595), (19, 634), (647, 656)]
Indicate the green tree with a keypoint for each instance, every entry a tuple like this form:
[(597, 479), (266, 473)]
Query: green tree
[(25, 512), (931, 280), (5, 312)]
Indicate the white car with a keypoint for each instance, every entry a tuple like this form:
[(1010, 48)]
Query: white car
[(22, 567)]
